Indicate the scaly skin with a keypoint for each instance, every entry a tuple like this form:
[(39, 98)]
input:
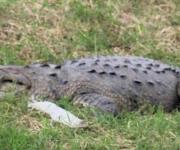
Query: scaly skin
[(111, 83)]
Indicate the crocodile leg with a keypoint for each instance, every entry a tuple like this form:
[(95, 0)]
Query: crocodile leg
[(103, 103)]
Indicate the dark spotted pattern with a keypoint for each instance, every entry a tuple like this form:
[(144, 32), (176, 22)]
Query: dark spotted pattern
[(117, 66), (92, 71), (138, 76), (53, 74), (106, 65), (123, 76), (150, 83), (58, 67), (102, 72), (45, 65), (112, 73), (82, 64), (137, 82)]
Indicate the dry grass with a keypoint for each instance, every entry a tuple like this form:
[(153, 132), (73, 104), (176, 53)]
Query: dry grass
[(53, 30), (71, 29), (30, 123)]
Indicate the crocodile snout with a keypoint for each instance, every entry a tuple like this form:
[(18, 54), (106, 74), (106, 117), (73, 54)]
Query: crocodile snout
[(15, 76)]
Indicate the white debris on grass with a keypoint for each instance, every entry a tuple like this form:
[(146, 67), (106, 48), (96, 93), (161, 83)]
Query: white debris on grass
[(58, 114)]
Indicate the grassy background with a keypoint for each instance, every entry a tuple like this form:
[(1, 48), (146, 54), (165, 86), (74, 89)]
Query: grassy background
[(52, 30)]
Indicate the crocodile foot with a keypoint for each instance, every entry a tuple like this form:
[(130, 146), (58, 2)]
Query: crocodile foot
[(103, 103)]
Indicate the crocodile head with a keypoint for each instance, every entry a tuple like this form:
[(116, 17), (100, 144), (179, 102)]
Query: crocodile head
[(12, 80), (31, 79)]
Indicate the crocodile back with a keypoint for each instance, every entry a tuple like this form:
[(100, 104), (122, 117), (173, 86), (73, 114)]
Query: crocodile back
[(131, 77)]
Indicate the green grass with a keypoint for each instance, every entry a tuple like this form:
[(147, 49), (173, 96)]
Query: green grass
[(54, 31)]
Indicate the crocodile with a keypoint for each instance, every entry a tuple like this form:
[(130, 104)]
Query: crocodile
[(110, 83)]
